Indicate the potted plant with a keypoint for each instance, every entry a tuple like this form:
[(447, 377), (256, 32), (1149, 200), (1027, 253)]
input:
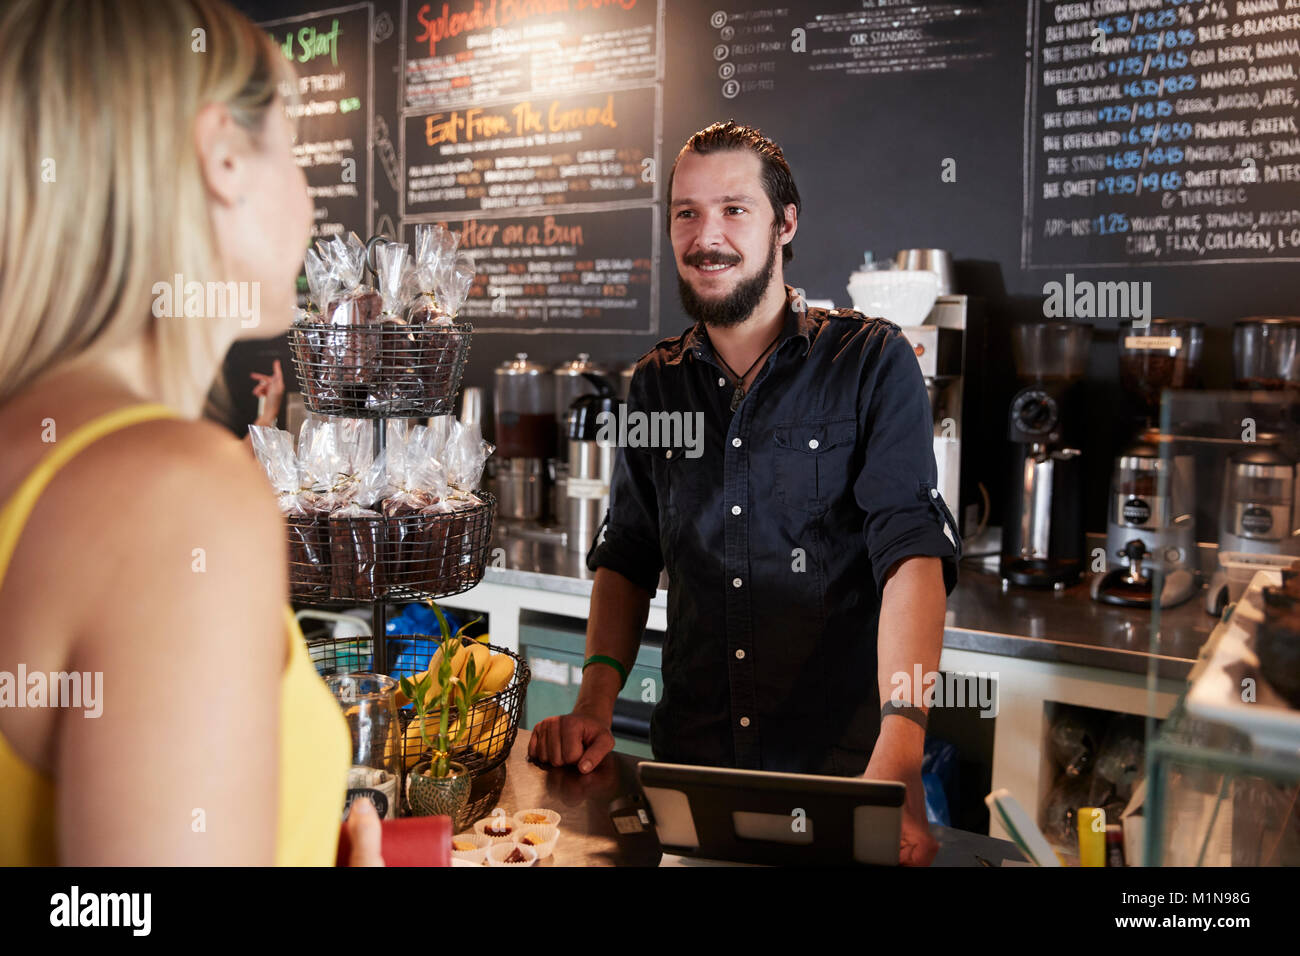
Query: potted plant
[(440, 785)]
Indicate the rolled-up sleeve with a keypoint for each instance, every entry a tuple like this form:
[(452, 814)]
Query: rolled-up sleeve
[(629, 538), (897, 486)]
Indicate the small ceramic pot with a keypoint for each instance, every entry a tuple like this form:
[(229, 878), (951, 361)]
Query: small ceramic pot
[(430, 796)]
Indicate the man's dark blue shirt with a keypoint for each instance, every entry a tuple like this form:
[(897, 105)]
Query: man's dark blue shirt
[(777, 538)]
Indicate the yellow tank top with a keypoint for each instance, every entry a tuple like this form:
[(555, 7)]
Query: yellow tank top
[(314, 744)]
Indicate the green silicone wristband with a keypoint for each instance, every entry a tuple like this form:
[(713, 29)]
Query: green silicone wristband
[(606, 659)]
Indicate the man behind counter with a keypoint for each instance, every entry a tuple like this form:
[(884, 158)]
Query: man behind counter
[(808, 552)]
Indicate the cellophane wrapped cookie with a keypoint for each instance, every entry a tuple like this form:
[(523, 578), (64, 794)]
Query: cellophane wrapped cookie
[(353, 312), (416, 483), (463, 454), (314, 344), (395, 388), (441, 280), (357, 532), (307, 533)]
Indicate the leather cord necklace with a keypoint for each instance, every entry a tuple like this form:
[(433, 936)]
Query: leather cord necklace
[(739, 393)]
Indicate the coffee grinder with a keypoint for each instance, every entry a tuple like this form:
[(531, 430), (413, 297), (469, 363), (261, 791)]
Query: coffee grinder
[(1150, 525), (1259, 513), (1042, 535)]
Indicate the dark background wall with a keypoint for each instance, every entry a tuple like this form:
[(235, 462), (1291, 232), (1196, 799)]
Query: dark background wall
[(867, 152)]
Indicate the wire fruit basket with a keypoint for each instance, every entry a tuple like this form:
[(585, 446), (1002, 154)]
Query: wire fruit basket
[(384, 370), (493, 721), (341, 561)]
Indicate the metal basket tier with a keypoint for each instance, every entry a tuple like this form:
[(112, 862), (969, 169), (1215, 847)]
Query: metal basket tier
[(382, 370), (494, 721), (340, 561)]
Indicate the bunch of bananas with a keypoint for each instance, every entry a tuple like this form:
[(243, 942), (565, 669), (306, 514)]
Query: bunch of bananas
[(487, 722)]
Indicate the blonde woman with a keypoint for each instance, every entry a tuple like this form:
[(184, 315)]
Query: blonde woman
[(140, 549)]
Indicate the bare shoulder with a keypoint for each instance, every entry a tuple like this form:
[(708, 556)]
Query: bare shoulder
[(164, 507), (184, 478)]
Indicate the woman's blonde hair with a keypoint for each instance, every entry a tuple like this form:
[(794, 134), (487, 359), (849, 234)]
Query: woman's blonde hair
[(101, 193)]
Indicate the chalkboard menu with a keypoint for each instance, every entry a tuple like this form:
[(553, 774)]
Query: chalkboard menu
[(588, 271), (534, 130), (576, 148), (1163, 132), (331, 51)]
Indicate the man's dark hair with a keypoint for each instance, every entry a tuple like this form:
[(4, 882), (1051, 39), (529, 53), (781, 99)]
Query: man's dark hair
[(778, 181)]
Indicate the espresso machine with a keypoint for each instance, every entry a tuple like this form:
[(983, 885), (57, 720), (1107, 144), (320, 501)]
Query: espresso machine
[(1042, 533), (1150, 523), (525, 433)]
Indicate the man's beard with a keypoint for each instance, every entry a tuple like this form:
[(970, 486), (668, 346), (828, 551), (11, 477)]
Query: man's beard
[(731, 309)]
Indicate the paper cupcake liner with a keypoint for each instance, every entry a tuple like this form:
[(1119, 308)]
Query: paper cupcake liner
[(548, 835), (476, 855), (552, 818), (496, 854), (481, 828)]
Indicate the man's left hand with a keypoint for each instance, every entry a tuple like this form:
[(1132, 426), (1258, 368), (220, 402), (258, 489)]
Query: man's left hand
[(891, 761)]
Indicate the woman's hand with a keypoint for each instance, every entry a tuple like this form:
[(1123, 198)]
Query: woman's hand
[(271, 388), (365, 834)]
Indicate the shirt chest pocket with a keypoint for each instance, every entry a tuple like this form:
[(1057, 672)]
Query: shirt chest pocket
[(813, 463), (681, 485)]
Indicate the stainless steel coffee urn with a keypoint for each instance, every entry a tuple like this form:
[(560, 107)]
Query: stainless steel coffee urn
[(571, 381), (591, 461)]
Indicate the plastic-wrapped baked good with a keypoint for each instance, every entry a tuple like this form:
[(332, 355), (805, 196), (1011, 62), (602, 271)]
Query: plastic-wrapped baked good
[(353, 313), (305, 522), (394, 385), (358, 538), (464, 455), (416, 483), (440, 281), (313, 339)]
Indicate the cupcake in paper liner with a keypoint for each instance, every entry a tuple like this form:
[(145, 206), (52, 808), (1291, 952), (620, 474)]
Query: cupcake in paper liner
[(537, 817), (541, 837), (511, 854), (498, 828), (471, 847)]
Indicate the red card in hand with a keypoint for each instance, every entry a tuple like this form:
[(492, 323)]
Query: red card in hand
[(409, 841)]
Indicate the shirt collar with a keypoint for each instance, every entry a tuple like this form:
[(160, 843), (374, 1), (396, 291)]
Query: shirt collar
[(797, 322)]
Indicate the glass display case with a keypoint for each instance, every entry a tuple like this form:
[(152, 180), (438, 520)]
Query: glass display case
[(1223, 770)]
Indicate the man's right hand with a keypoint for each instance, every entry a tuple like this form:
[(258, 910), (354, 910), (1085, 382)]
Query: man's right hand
[(571, 739)]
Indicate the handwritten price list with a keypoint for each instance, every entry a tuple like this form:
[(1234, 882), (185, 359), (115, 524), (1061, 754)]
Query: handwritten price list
[(1163, 131)]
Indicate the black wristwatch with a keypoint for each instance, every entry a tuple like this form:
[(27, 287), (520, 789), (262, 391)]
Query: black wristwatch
[(914, 714)]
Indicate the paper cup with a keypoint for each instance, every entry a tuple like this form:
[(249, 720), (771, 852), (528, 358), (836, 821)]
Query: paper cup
[(546, 838), (497, 853)]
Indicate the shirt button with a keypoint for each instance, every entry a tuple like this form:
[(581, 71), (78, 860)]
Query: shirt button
[(736, 582), (934, 492), (735, 509), (812, 442), (668, 453), (740, 654), (735, 443), (721, 380), (744, 721)]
